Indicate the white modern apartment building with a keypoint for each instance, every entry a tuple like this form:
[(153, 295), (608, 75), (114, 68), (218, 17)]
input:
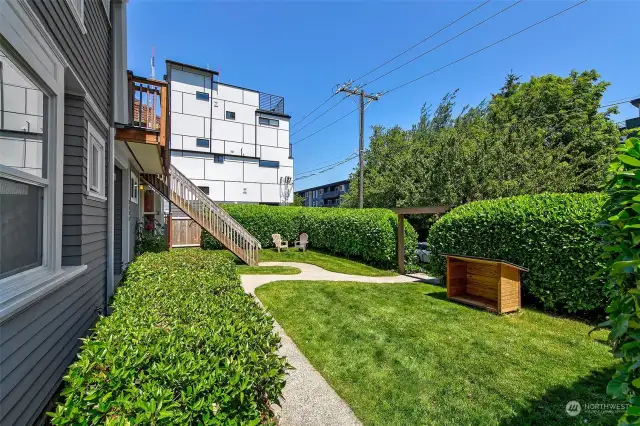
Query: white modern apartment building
[(231, 141)]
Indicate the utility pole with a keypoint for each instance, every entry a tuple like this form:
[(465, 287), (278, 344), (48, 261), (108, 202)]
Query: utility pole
[(346, 88)]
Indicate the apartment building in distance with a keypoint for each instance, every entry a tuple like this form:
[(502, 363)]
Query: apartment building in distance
[(230, 141), (325, 195)]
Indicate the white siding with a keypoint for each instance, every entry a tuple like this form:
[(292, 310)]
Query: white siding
[(283, 139), (216, 188), (242, 192), (189, 144), (227, 130), (244, 113), (192, 105), (254, 173), (267, 136), (187, 125), (249, 134), (228, 93), (229, 170), (270, 193), (176, 101), (189, 82), (251, 98), (176, 141), (242, 149), (275, 154), (191, 167)]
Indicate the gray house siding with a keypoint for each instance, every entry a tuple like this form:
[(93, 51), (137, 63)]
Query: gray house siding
[(39, 342), (117, 222), (88, 54), (134, 217)]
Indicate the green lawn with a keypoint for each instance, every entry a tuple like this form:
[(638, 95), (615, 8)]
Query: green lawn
[(402, 354), (267, 270), (323, 260)]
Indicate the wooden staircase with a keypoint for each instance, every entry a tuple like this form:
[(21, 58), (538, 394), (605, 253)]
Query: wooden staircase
[(179, 190)]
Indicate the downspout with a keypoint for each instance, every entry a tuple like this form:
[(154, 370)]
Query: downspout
[(109, 288)]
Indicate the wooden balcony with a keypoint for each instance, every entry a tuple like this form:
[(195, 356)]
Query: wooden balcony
[(146, 134)]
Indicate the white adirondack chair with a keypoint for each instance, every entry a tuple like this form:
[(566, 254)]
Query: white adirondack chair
[(277, 241), (302, 242)]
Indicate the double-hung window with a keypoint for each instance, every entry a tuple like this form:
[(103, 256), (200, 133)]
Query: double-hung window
[(96, 168), (24, 177), (31, 165)]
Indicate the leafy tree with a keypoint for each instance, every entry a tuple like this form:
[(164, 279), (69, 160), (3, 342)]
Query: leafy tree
[(544, 135), (298, 200)]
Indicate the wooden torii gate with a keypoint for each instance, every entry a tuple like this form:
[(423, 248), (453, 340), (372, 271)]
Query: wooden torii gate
[(402, 212)]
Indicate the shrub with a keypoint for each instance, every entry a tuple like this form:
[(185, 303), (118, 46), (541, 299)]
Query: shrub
[(622, 258), (184, 345), (368, 234), (150, 238), (553, 235)]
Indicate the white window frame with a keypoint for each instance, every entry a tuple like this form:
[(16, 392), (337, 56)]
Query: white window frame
[(134, 185), (39, 58), (78, 15), (107, 9), (98, 191)]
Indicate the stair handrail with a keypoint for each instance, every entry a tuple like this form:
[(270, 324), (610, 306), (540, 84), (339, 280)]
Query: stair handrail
[(178, 177)]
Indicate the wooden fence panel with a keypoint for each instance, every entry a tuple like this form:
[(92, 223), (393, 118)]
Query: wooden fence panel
[(185, 232)]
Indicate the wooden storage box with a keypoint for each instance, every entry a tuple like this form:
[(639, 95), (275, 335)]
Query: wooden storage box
[(486, 283)]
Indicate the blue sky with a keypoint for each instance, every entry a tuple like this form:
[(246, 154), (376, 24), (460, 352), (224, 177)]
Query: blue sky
[(302, 50)]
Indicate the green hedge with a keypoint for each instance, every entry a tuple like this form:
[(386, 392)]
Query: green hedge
[(368, 234), (553, 235), (184, 345)]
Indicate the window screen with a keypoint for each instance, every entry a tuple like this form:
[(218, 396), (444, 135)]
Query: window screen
[(21, 208)]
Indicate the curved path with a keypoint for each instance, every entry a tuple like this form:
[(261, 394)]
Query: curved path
[(307, 397)]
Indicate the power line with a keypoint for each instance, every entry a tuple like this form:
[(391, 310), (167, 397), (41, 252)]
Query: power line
[(444, 42), (486, 47), (317, 108), (323, 165), (327, 168), (312, 121), (394, 58), (620, 101), (424, 39), (328, 125)]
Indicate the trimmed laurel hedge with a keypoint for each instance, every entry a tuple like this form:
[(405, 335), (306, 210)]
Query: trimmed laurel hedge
[(184, 345), (368, 234), (553, 235)]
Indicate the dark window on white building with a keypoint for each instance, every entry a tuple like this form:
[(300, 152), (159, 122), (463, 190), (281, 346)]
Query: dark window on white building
[(269, 122)]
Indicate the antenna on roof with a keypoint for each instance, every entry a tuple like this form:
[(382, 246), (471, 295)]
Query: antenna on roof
[(153, 62)]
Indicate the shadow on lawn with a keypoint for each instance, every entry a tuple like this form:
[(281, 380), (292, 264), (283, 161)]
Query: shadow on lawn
[(551, 407)]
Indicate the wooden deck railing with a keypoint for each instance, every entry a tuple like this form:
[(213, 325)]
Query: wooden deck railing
[(148, 106)]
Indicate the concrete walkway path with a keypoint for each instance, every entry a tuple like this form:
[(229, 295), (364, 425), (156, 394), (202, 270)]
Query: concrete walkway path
[(308, 400)]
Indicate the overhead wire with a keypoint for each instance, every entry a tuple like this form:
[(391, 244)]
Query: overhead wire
[(423, 40), (486, 47), (394, 58), (443, 43), (327, 168)]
